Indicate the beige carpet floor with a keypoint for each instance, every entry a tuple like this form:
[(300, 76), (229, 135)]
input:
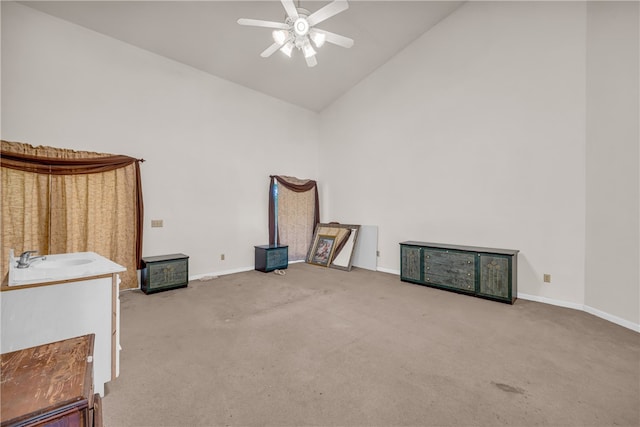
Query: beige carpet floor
[(324, 347)]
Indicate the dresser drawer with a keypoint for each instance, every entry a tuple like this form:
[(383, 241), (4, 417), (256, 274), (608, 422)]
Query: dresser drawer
[(449, 268)]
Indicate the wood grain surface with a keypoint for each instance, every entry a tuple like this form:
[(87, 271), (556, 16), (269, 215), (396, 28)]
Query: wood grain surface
[(37, 380)]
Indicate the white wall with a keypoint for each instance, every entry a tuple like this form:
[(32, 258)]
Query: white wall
[(472, 135), (613, 189), (492, 129), (210, 145)]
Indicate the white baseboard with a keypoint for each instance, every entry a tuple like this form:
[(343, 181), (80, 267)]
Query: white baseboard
[(551, 301), (611, 318), (232, 271), (575, 306), (598, 313), (220, 273), (388, 270)]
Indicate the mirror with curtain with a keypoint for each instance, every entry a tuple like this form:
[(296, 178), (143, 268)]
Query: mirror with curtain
[(341, 239)]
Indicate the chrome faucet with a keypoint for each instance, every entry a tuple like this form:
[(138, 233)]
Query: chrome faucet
[(26, 259)]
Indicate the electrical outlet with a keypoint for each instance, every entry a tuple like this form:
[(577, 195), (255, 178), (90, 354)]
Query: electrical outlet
[(547, 278), (221, 257), (157, 223)]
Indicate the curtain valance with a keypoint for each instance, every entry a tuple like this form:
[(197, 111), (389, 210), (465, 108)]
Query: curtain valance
[(63, 166)]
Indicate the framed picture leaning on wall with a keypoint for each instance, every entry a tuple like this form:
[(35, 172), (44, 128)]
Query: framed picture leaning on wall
[(322, 250), (345, 237)]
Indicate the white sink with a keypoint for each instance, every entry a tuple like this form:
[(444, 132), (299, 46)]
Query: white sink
[(61, 267), (60, 263)]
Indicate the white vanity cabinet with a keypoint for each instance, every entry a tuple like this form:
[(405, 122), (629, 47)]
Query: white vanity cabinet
[(41, 313)]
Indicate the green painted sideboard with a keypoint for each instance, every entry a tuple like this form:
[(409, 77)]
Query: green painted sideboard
[(483, 272)]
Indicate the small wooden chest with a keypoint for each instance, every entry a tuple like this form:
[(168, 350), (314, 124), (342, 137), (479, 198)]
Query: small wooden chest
[(271, 257), (164, 272)]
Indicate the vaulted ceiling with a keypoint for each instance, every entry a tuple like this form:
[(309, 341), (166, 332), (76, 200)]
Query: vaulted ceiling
[(206, 36)]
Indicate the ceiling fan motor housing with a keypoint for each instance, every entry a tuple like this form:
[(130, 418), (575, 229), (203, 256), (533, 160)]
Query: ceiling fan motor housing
[(301, 27)]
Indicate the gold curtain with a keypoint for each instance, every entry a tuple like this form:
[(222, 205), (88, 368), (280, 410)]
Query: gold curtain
[(296, 221), (50, 213), (25, 213), (298, 214)]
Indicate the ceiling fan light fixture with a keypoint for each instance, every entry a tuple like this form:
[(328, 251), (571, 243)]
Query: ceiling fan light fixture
[(279, 36), (308, 50), (299, 31), (287, 49), (317, 38)]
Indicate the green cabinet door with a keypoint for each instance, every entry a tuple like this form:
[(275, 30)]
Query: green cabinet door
[(410, 262), (277, 258), (495, 275), (164, 272), (167, 274)]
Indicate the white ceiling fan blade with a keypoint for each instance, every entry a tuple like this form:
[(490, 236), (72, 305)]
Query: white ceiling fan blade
[(290, 8), (327, 12), (261, 23), (270, 50), (336, 39), (311, 61)]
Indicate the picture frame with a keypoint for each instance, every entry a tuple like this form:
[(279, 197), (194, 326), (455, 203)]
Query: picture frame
[(346, 239), (322, 250)]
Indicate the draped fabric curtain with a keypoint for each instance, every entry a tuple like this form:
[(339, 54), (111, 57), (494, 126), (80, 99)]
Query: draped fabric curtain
[(297, 214), (58, 201)]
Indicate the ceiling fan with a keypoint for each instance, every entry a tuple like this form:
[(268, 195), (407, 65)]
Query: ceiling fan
[(299, 31)]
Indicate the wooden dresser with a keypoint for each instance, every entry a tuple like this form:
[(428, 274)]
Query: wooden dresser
[(46, 312), (50, 385), (489, 273)]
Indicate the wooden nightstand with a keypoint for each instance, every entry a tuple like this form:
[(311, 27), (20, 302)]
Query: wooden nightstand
[(164, 272), (272, 257)]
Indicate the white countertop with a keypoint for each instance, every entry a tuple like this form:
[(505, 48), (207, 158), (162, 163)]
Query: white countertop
[(58, 267)]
